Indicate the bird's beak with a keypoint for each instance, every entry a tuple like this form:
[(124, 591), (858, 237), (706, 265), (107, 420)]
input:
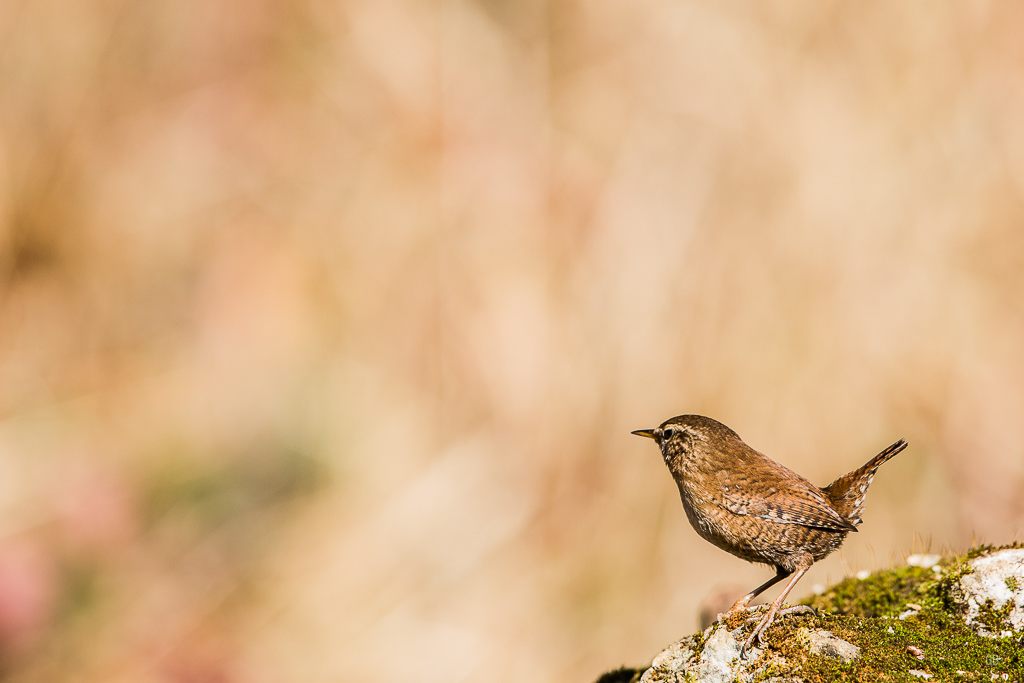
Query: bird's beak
[(649, 433)]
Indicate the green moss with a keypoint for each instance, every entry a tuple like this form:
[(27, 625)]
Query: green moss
[(946, 643), (866, 614), (993, 619), (884, 593), (1011, 583), (988, 549)]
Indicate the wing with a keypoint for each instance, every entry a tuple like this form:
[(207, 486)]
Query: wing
[(786, 501)]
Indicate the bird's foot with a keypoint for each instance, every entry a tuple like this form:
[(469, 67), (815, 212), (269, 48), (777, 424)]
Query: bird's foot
[(755, 636), (724, 616), (766, 621), (755, 608)]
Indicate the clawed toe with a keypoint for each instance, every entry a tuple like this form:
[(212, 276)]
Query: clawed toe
[(734, 610), (798, 609), (768, 620), (755, 636), (755, 608)]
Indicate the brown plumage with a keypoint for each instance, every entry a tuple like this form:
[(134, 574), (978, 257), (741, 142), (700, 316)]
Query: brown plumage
[(751, 506)]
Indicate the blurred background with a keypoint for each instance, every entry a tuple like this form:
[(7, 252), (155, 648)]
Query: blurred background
[(323, 325)]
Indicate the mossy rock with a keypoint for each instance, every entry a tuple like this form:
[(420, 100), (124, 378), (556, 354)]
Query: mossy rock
[(910, 624)]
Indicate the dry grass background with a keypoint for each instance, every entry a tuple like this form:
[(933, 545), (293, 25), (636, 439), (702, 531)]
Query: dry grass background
[(323, 325)]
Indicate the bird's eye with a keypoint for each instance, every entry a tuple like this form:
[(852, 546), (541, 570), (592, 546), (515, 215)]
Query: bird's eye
[(668, 432)]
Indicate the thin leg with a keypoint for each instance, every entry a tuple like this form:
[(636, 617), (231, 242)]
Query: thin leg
[(745, 600), (770, 617)]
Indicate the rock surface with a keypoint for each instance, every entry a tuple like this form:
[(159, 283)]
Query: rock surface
[(995, 585), (672, 660), (924, 621), (718, 661), (824, 643)]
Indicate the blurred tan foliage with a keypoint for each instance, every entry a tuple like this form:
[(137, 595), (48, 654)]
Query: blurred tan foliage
[(323, 325)]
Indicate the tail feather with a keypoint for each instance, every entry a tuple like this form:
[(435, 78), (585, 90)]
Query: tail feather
[(847, 493)]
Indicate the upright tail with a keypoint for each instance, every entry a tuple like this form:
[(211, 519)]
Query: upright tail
[(847, 493)]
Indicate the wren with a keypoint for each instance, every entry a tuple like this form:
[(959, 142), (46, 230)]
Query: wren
[(751, 506)]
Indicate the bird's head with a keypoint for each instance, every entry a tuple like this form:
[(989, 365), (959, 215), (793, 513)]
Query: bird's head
[(686, 436)]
